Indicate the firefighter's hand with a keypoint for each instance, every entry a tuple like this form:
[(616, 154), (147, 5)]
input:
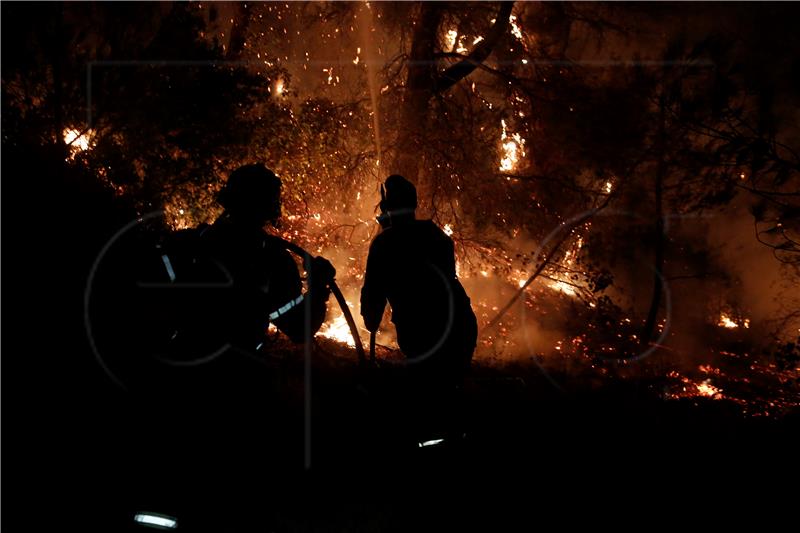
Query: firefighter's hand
[(322, 271), (372, 324)]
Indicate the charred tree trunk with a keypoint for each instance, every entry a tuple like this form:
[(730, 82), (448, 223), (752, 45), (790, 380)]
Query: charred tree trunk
[(57, 48), (464, 68), (423, 81), (241, 23), (658, 235), (419, 88)]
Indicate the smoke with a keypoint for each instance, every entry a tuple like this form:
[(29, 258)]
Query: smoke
[(760, 284)]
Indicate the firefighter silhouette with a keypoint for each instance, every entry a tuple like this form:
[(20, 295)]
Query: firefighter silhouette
[(266, 283), (204, 297), (411, 265)]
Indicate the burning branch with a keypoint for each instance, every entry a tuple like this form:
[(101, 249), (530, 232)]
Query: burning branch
[(464, 68), (566, 228)]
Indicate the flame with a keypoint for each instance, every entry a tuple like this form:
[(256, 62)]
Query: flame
[(450, 40), (705, 388), (337, 330), (561, 286), (562, 283), (513, 149), (726, 321), (692, 389), (516, 31), (77, 141)]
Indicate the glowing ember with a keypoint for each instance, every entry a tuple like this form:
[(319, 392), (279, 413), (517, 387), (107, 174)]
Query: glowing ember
[(279, 87), (448, 230), (607, 188), (513, 149), (693, 389)]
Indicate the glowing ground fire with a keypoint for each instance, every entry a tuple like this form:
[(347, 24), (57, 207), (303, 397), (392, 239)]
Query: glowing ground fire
[(726, 321), (337, 330)]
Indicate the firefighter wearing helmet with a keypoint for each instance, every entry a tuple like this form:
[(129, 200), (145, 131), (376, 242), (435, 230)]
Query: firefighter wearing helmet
[(265, 275), (411, 265)]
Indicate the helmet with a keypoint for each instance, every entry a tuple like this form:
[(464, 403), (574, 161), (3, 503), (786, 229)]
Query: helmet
[(252, 191), (398, 194)]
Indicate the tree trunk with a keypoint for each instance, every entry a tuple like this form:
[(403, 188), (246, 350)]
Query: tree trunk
[(419, 89), (658, 236), (57, 49), (241, 23), (423, 82)]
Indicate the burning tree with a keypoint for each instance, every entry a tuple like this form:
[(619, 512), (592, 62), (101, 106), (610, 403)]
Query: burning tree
[(573, 165)]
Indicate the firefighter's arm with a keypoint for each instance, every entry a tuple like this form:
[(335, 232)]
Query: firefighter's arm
[(293, 321), (373, 293)]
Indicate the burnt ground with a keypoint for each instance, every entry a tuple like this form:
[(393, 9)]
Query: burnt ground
[(517, 452)]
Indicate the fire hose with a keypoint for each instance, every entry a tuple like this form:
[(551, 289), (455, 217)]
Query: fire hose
[(337, 293)]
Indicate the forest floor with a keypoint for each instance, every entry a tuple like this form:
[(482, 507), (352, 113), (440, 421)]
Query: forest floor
[(367, 458)]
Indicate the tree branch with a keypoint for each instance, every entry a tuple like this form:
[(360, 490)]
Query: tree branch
[(465, 67)]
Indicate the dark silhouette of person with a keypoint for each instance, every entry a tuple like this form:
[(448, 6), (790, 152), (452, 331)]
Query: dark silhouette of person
[(185, 329), (411, 264), (204, 324), (266, 283)]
